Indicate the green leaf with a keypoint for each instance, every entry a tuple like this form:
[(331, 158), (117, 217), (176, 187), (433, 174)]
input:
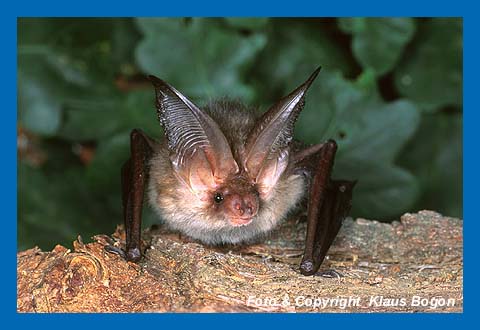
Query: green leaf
[(431, 73), (39, 109), (379, 133), (103, 173), (378, 43), (353, 114), (383, 191), (248, 23), (53, 212), (37, 208), (80, 51), (46, 90), (124, 39), (92, 120), (293, 51), (62, 64), (435, 157), (209, 61)]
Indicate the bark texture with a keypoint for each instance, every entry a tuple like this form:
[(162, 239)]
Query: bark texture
[(412, 265)]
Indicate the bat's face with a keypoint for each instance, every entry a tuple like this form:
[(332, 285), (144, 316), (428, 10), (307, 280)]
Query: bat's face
[(214, 196), (237, 201)]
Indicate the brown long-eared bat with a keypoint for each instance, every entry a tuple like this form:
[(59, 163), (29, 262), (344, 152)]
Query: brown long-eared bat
[(224, 175)]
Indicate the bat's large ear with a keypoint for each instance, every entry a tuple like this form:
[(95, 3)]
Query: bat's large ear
[(267, 144), (199, 151)]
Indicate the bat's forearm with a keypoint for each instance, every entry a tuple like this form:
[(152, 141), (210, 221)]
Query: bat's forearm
[(134, 179)]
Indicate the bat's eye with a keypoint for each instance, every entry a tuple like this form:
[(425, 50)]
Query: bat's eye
[(218, 198)]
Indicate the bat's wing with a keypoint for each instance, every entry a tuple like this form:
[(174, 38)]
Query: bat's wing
[(329, 202), (134, 176)]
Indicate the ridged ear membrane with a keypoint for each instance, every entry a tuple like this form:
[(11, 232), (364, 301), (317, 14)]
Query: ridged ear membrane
[(199, 151), (267, 144)]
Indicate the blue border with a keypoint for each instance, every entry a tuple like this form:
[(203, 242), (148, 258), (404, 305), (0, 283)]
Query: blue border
[(243, 8), (209, 8)]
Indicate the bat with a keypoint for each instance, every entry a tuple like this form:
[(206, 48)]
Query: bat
[(223, 174)]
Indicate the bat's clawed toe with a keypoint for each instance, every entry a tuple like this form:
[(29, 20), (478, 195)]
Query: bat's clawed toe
[(133, 255), (115, 250)]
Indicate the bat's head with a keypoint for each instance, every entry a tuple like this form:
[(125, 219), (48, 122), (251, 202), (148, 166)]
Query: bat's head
[(227, 191)]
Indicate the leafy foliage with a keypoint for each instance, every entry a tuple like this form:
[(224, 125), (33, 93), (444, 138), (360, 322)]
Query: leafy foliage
[(378, 43), (213, 55), (430, 73), (389, 93)]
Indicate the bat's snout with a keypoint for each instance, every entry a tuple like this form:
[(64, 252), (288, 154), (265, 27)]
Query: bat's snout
[(241, 209)]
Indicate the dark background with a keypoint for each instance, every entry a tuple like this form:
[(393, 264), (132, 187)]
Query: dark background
[(390, 93)]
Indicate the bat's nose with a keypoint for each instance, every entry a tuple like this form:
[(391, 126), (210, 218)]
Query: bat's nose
[(242, 206)]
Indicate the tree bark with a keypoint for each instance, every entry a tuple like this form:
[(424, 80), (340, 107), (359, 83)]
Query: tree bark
[(408, 266)]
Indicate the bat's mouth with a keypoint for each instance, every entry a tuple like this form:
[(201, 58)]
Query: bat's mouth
[(239, 221)]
